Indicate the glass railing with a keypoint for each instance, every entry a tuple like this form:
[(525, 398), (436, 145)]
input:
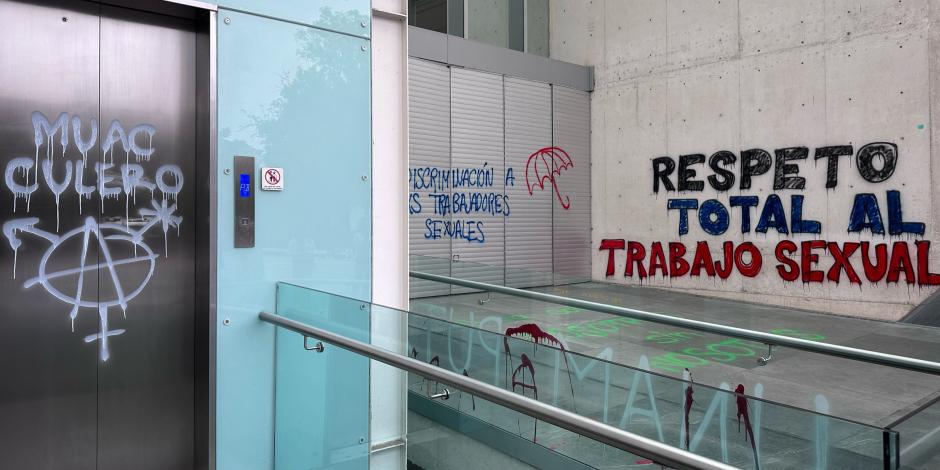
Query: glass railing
[(726, 423), (841, 385), (920, 447)]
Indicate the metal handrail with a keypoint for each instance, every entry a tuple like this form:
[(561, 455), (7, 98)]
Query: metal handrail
[(596, 430), (769, 339)]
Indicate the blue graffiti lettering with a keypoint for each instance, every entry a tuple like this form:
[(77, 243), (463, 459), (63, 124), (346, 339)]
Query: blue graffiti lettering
[(772, 216), (713, 216), (866, 214), (470, 230), (683, 205)]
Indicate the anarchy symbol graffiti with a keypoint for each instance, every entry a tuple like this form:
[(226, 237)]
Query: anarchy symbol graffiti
[(107, 237)]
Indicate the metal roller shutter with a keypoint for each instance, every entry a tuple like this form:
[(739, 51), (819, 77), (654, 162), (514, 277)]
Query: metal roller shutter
[(477, 143), (529, 225), (571, 131), (429, 147)]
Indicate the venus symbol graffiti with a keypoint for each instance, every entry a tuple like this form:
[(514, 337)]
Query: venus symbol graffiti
[(106, 274)]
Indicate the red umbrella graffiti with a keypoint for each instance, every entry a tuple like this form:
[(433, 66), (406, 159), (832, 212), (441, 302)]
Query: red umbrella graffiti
[(546, 164)]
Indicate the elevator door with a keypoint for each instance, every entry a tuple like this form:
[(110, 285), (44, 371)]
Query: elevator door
[(97, 253)]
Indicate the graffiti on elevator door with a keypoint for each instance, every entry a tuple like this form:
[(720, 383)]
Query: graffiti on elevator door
[(112, 254)]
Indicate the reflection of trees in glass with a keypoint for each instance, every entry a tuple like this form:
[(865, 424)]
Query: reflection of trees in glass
[(320, 122), (327, 63)]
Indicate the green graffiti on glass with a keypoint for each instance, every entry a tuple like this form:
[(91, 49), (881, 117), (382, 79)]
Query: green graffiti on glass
[(671, 338), (596, 328), (725, 351), (516, 317), (563, 310)]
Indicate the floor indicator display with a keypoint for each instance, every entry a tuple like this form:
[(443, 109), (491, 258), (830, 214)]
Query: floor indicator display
[(244, 202)]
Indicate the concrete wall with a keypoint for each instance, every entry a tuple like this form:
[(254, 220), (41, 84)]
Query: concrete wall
[(488, 21), (682, 77)]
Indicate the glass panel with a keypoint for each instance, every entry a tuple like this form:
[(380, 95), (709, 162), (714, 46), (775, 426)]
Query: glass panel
[(441, 436), (347, 16), (488, 21), (536, 16), (859, 391), (428, 14), (724, 423), (297, 98), (517, 25), (717, 422), (920, 439), (455, 17), (321, 399)]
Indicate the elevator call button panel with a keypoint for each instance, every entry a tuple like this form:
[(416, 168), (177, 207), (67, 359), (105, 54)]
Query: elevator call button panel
[(244, 202)]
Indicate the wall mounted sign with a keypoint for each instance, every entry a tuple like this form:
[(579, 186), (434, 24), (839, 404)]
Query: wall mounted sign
[(272, 179)]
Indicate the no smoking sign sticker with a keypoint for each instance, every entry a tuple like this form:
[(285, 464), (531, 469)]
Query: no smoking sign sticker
[(272, 179)]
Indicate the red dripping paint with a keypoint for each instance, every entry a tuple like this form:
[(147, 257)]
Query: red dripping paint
[(473, 400), (538, 336), (536, 333), (526, 365), (743, 413), (688, 408)]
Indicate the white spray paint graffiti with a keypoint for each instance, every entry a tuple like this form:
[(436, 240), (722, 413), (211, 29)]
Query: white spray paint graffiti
[(105, 234), (109, 184), (22, 164)]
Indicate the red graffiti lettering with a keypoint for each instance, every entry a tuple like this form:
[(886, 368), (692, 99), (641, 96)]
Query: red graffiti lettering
[(875, 272), (805, 261), (752, 267), (808, 259), (788, 269), (611, 246), (678, 266), (724, 268), (635, 254), (703, 259), (840, 262), (924, 276), (900, 261)]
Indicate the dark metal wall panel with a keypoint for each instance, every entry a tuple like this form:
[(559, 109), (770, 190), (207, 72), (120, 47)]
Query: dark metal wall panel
[(571, 131), (429, 148), (98, 324), (48, 400), (477, 140), (148, 76), (528, 227)]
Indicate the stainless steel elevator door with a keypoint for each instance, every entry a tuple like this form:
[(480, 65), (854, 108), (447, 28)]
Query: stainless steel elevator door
[(97, 141)]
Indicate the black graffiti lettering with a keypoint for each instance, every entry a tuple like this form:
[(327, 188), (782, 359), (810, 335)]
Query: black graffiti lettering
[(754, 162), (874, 155), (723, 179), (832, 154), (782, 169), (662, 168), (686, 183)]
